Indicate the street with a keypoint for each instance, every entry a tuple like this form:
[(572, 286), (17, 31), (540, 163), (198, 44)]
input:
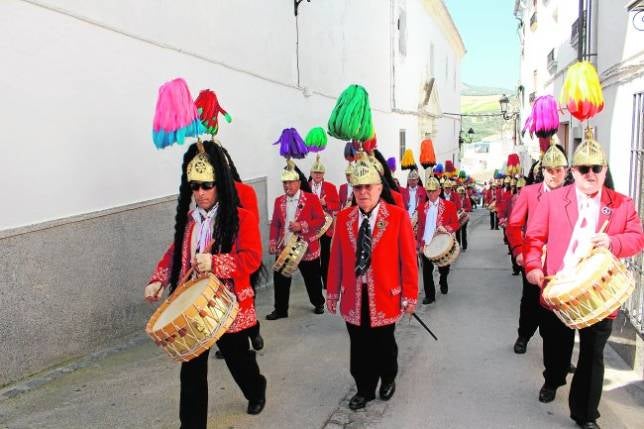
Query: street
[(470, 377)]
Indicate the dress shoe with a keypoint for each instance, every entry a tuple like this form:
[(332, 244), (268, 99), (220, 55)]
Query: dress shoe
[(319, 309), (588, 425), (520, 345), (358, 401), (219, 354), (428, 300), (444, 289), (276, 315), (387, 390), (516, 273), (257, 405), (257, 342), (547, 394)]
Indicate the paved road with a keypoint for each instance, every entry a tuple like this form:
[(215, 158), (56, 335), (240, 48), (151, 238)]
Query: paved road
[(469, 378)]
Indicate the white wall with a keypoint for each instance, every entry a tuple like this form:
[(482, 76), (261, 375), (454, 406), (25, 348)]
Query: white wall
[(79, 82)]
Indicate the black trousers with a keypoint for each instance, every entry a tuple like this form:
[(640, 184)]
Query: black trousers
[(558, 341), (241, 361), (461, 236), (428, 277), (325, 253), (374, 353), (494, 221), (311, 272), (586, 386), (529, 309)]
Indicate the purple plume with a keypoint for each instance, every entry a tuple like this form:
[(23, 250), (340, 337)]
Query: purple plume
[(291, 144), (349, 152), (391, 163), (544, 118)]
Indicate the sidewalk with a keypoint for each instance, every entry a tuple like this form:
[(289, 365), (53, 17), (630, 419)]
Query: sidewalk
[(469, 378)]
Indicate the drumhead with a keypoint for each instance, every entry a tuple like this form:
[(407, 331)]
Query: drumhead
[(581, 278), (180, 303), (440, 244)]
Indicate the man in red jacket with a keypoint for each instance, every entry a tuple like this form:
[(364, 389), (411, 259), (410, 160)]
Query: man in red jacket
[(373, 273), (296, 212), (328, 196), (346, 190), (435, 216), (555, 168), (568, 221), (466, 206), (220, 238)]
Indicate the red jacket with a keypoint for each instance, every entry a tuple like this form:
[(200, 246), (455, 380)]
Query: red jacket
[(554, 219), (446, 218), (454, 199), (247, 198), (466, 203), (523, 207), (502, 200), (488, 196), (344, 198), (398, 199), (332, 200), (392, 275), (421, 196), (233, 268), (309, 213)]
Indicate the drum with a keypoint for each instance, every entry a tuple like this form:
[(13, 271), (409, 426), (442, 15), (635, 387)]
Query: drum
[(442, 250), (492, 207), (597, 287), (196, 315), (291, 255), (328, 221), (463, 217)]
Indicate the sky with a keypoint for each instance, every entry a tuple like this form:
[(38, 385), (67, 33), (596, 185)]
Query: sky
[(489, 31)]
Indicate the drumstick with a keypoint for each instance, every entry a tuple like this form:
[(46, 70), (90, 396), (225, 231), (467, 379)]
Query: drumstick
[(604, 226)]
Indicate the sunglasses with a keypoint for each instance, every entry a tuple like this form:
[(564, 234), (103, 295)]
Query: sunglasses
[(584, 169), (206, 186)]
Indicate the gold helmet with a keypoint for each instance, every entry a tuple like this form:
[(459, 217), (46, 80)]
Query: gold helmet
[(364, 171), (317, 166), (460, 190), (349, 169), (521, 182), (554, 157), (288, 173), (448, 184), (589, 152), (413, 174), (199, 168)]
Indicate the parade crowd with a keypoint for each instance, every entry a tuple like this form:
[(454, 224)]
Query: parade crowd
[(359, 248)]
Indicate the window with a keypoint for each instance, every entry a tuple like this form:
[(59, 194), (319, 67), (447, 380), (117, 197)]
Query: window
[(402, 140), (551, 62), (634, 307)]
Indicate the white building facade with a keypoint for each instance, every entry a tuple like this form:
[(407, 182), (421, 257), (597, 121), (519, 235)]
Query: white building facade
[(90, 201), (612, 38)]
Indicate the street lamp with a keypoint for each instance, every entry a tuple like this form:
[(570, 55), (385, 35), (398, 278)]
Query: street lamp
[(505, 102)]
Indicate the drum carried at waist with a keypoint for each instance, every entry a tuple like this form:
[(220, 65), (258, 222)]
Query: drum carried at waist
[(463, 217), (597, 287), (442, 250), (492, 207), (193, 318), (290, 257), (328, 221)]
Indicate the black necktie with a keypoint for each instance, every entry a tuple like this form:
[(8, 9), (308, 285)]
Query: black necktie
[(363, 249)]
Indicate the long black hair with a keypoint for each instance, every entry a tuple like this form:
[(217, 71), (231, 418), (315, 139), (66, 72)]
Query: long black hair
[(386, 176), (226, 225), (304, 184), (231, 164)]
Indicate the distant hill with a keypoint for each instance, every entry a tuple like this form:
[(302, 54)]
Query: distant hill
[(484, 99), (484, 90)]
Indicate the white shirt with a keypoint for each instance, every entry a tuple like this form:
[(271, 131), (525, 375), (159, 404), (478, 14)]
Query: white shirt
[(412, 200), (317, 188), (202, 232), (291, 208), (448, 197), (430, 221), (585, 227)]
